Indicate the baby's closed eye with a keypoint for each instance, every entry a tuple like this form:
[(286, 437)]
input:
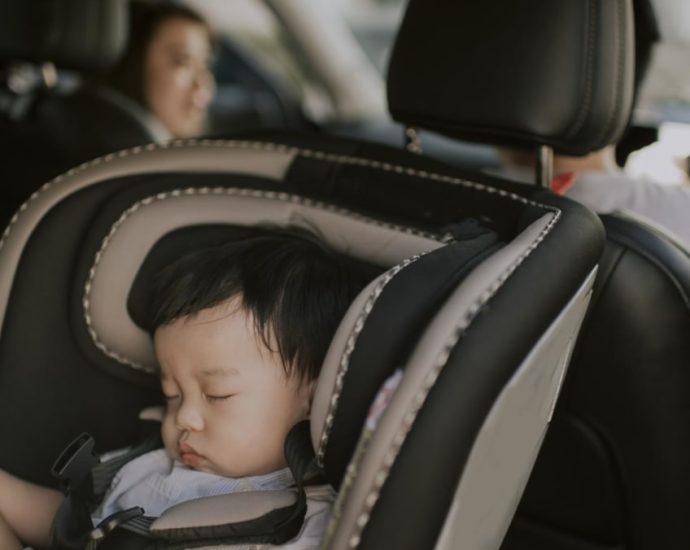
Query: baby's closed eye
[(216, 398)]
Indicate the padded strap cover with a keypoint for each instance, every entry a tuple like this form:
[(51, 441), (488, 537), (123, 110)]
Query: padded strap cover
[(405, 304)]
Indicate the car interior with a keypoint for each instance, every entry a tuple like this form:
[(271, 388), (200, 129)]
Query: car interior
[(543, 399), (55, 119)]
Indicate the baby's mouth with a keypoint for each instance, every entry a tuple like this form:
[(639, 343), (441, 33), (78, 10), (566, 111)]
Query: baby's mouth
[(190, 457)]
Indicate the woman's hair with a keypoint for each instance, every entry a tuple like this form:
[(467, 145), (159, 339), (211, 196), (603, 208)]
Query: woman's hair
[(145, 17), (295, 289)]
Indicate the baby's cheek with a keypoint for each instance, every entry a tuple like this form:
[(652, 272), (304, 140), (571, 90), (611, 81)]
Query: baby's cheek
[(169, 436)]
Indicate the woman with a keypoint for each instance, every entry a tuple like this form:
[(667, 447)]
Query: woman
[(165, 67)]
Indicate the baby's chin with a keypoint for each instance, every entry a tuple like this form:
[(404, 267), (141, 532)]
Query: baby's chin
[(235, 471)]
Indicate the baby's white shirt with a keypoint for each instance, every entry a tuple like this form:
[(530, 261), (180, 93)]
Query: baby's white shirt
[(155, 482)]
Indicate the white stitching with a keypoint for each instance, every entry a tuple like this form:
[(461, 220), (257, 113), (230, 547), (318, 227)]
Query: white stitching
[(344, 364), (618, 104), (429, 380), (230, 191), (133, 152), (580, 119), (263, 146)]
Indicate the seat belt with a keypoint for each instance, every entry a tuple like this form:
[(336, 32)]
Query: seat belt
[(85, 481)]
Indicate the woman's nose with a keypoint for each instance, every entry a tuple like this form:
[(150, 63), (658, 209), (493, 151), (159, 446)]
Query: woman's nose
[(205, 84), (189, 417)]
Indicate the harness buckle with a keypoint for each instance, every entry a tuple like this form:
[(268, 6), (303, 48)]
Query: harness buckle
[(76, 461), (113, 521)]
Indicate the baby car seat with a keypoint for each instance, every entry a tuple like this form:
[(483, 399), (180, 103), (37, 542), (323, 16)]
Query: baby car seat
[(480, 290)]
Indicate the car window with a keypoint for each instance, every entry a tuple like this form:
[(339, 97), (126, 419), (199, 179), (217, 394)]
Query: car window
[(258, 75), (283, 38), (664, 103), (374, 23)]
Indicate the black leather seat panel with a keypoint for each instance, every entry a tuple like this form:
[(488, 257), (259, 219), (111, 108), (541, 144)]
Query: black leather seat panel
[(614, 462)]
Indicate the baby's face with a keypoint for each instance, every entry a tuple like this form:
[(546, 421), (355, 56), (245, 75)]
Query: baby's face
[(229, 402)]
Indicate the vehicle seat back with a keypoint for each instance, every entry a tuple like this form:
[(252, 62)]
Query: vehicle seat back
[(64, 125), (613, 471)]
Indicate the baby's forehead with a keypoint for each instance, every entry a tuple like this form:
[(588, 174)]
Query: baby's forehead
[(210, 373), (206, 316), (219, 335)]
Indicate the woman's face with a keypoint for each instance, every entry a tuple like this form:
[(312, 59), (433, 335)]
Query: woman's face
[(178, 85)]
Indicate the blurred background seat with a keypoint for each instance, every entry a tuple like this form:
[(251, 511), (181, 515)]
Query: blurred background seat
[(50, 120)]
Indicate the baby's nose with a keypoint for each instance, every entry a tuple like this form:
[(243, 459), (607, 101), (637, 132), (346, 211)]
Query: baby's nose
[(189, 417)]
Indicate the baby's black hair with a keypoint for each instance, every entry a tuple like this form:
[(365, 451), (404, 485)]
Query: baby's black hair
[(294, 287)]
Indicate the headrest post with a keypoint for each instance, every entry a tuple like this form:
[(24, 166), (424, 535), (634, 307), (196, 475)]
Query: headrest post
[(412, 141), (544, 166)]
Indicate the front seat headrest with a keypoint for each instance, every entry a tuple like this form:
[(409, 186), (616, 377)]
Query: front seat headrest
[(74, 34), (534, 72)]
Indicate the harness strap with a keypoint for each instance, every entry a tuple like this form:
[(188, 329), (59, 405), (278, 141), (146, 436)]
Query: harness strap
[(275, 527), (73, 529), (140, 526), (113, 521), (74, 464), (84, 481)]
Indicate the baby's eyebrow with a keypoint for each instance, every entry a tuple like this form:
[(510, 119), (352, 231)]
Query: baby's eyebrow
[(219, 372)]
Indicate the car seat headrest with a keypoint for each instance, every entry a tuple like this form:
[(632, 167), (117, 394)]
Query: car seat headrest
[(75, 34), (156, 229), (535, 72)]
